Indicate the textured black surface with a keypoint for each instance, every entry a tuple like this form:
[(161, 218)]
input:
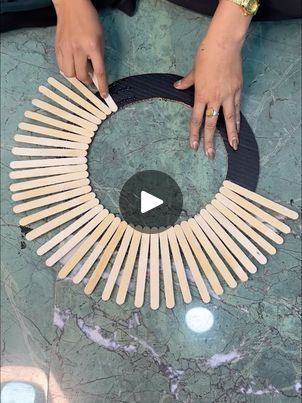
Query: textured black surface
[(243, 165)]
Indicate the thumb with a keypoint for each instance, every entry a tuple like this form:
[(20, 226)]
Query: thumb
[(185, 82)]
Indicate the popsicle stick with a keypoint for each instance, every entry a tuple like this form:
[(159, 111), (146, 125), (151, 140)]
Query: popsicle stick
[(250, 219), (98, 249), (224, 252), (166, 267), (48, 152), (101, 266), (50, 189), (211, 252), (34, 173), (85, 247), (119, 259), (228, 241), (263, 201), (154, 269), (41, 141), (185, 248), (55, 240), (129, 266), (258, 212), (69, 105), (244, 227), (202, 259), (179, 267), (59, 124), (88, 94), (78, 237), (36, 183), (109, 101), (62, 219), (46, 201), (56, 209), (76, 98), (49, 132), (142, 268), (49, 162), (64, 115)]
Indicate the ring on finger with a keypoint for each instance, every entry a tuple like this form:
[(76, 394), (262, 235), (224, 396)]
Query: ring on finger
[(211, 112)]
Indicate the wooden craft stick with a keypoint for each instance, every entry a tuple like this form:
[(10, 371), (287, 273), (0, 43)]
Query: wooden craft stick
[(185, 248), (166, 267), (238, 235), (154, 269), (48, 152), (129, 266), (117, 264), (69, 105), (85, 247), (244, 227), (109, 101), (142, 268), (77, 238), (41, 141), (98, 249), (101, 266), (48, 162), (55, 240), (61, 220), (250, 219), (258, 212), (202, 260), (46, 201), (34, 173), (224, 252), (64, 115), (263, 201), (36, 183), (59, 124), (211, 252), (55, 209), (179, 267), (76, 98), (29, 194), (88, 94), (49, 132), (228, 241)]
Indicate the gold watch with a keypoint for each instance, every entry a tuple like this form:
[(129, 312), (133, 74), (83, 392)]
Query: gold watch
[(249, 7)]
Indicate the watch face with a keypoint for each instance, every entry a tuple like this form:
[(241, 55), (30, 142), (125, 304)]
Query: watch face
[(252, 6)]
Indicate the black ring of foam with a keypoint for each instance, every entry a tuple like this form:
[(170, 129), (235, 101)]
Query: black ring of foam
[(243, 165)]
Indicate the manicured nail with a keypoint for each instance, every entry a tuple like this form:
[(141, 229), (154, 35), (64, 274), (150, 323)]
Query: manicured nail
[(210, 153), (235, 144), (195, 145), (177, 84)]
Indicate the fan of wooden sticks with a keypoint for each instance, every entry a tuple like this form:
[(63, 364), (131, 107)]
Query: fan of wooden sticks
[(215, 248)]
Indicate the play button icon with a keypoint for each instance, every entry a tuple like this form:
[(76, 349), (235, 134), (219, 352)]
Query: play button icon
[(149, 202), (151, 199)]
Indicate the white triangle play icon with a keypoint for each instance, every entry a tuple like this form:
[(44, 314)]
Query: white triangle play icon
[(149, 202)]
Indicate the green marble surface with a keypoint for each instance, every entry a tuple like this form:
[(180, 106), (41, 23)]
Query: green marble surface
[(99, 352)]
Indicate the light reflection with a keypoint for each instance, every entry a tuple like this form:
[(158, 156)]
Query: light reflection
[(199, 319), (16, 392)]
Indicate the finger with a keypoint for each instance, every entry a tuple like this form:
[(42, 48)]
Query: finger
[(209, 129), (237, 110), (100, 73), (195, 123), (230, 122), (68, 64), (185, 82), (59, 58), (81, 67)]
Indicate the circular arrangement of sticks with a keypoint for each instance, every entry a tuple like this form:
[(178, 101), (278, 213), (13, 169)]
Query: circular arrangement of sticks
[(219, 246)]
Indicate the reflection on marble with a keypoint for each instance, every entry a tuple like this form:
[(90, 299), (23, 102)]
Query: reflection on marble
[(99, 352)]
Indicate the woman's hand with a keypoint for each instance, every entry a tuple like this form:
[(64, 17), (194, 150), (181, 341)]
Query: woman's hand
[(217, 76), (79, 41)]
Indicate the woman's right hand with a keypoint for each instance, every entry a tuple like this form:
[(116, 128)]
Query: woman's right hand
[(79, 41)]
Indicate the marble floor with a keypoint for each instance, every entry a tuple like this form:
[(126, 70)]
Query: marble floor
[(61, 346)]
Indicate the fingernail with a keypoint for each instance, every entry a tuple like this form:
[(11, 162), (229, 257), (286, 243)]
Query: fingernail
[(210, 153), (177, 84), (104, 95), (235, 144), (195, 145)]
